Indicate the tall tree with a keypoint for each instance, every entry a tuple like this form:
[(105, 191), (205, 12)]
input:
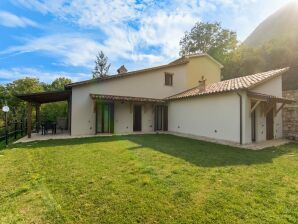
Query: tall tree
[(59, 83), (102, 66), (20, 86), (209, 38)]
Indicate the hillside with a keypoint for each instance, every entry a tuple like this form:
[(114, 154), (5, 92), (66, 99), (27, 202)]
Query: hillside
[(282, 22)]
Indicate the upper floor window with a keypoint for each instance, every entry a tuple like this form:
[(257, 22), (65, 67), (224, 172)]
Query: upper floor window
[(169, 79)]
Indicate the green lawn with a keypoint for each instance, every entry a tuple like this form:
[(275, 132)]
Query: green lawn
[(147, 179)]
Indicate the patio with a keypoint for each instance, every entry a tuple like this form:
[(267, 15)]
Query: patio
[(47, 128), (65, 135)]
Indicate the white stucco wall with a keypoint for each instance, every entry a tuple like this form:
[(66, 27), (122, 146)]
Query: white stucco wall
[(215, 116), (150, 84), (271, 87), (124, 118)]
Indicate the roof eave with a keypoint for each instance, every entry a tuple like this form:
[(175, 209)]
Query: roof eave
[(269, 78)]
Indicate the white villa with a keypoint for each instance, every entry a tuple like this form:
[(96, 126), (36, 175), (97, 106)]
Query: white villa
[(186, 96)]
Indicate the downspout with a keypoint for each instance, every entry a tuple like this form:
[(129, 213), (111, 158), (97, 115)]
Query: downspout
[(240, 101)]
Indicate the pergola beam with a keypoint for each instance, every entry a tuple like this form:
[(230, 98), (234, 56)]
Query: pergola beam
[(255, 106), (279, 109), (269, 109)]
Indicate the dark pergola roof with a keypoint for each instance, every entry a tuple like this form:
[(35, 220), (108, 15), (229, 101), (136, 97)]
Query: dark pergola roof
[(46, 97)]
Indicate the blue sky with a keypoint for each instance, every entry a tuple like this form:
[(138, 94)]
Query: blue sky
[(52, 38)]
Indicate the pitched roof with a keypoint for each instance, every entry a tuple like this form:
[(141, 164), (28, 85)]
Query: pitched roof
[(109, 77), (125, 98), (180, 61), (245, 82)]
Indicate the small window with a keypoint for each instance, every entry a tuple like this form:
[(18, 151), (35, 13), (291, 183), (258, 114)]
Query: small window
[(168, 79)]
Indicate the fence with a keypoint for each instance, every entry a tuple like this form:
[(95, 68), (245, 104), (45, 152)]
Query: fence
[(13, 131)]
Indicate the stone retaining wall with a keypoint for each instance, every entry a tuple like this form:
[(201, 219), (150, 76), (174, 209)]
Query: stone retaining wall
[(290, 116)]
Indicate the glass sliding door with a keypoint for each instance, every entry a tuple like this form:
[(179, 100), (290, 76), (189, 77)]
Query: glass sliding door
[(104, 117), (99, 117)]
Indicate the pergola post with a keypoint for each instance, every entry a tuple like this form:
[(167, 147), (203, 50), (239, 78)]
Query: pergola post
[(29, 119), (37, 108)]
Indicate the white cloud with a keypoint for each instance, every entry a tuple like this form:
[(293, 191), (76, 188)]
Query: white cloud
[(45, 76), (165, 30), (159, 25), (130, 28), (73, 49), (10, 20)]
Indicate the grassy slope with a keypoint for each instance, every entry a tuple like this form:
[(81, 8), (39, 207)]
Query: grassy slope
[(147, 179)]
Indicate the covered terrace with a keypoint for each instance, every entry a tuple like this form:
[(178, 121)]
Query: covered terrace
[(35, 100)]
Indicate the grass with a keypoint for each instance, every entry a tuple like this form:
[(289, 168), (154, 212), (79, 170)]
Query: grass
[(147, 179)]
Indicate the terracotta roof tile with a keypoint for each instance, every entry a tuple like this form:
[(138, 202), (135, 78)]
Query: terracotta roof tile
[(125, 98), (239, 83)]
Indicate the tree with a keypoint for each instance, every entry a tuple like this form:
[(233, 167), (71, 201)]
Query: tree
[(209, 38), (274, 54), (3, 99), (59, 83), (52, 111), (102, 67), (20, 86)]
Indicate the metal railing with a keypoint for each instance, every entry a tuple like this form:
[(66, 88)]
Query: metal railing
[(13, 130)]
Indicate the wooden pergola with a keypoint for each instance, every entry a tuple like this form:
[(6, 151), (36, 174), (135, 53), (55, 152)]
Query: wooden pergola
[(36, 99), (269, 102)]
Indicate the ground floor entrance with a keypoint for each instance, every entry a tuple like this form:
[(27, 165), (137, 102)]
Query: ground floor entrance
[(137, 118), (161, 118)]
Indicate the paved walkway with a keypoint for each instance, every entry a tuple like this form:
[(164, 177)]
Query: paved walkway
[(254, 146), (39, 137)]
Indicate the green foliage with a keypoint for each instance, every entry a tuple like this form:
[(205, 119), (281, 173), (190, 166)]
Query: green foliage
[(209, 38), (59, 83), (50, 111), (278, 53), (147, 179), (243, 60), (102, 67), (20, 86)]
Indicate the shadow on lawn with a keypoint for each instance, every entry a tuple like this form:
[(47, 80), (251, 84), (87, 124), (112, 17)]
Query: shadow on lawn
[(206, 154), (199, 153)]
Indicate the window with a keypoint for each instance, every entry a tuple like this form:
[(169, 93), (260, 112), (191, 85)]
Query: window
[(168, 79)]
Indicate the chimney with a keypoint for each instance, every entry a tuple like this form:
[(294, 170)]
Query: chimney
[(122, 69), (202, 84)]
